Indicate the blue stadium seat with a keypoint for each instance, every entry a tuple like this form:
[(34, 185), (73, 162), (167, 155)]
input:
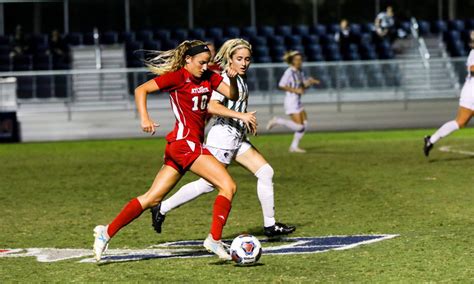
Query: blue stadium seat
[(74, 39), (152, 45), (215, 33), (314, 52), (258, 40), (180, 35), (356, 29), (457, 25), (365, 38), (249, 32), (283, 30), (42, 62), (310, 40), (452, 36), (457, 49), (161, 34), (439, 27), (385, 50), (327, 39), (169, 44), (232, 32), (41, 49), (109, 37), (125, 37), (44, 86), (5, 63), (298, 47), (406, 26), (261, 51), (88, 38), (277, 52), (39, 39), (334, 28), (301, 30), (332, 52), (197, 33), (263, 59), (368, 28), (316, 57), (266, 31), (314, 48), (276, 40), (144, 35), (424, 27), (318, 29), (293, 40), (469, 23)]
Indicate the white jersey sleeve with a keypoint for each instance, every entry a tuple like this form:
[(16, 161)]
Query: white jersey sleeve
[(216, 96), (287, 79), (470, 60)]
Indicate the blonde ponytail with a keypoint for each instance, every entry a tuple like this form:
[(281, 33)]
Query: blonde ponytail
[(171, 60), (224, 55)]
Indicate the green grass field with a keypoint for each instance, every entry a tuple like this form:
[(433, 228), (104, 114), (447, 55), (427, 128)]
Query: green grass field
[(53, 194)]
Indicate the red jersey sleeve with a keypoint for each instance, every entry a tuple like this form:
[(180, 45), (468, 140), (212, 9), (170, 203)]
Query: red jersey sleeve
[(215, 80), (169, 81)]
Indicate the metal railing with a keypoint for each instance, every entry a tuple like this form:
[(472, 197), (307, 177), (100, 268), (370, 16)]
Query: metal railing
[(341, 82), (424, 53)]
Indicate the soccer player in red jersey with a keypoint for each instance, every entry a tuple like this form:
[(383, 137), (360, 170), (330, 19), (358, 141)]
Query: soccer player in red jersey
[(184, 74)]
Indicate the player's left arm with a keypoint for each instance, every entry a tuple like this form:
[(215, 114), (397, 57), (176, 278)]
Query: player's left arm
[(310, 81), (230, 91), (216, 107)]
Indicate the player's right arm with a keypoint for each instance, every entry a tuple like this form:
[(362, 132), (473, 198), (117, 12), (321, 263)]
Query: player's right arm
[(141, 93)]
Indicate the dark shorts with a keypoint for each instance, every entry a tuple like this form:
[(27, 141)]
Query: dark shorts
[(181, 154)]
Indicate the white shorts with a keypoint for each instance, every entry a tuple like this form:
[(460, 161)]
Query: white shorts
[(293, 104), (226, 156), (467, 95)]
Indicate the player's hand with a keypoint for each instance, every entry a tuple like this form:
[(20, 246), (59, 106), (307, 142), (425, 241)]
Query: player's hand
[(299, 91), (313, 81), (250, 121), (231, 73), (149, 126)]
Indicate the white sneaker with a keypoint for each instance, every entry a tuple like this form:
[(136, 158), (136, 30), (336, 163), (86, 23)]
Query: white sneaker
[(101, 242), (216, 247), (271, 123), (296, 150)]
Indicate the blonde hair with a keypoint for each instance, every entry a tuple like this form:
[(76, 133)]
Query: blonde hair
[(170, 60), (224, 55), (289, 55)]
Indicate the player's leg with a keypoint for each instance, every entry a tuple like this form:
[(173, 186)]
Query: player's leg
[(252, 160), (300, 119), (189, 191), (164, 181), (462, 118), (207, 167)]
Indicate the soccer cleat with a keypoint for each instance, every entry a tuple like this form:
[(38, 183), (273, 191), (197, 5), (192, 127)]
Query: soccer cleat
[(427, 146), (271, 123), (278, 229), (157, 218), (216, 247), (296, 150), (101, 242)]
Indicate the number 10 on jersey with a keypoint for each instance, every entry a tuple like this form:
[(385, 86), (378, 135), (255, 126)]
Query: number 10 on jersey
[(197, 105)]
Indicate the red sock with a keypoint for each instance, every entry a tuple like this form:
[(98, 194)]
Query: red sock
[(220, 213), (130, 212)]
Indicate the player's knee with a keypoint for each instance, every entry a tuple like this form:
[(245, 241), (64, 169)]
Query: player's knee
[(265, 172), (300, 128), (148, 201), (461, 123), (229, 187)]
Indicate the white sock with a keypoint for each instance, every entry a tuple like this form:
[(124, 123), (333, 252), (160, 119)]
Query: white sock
[(265, 194), (298, 135), (447, 128), (290, 124), (185, 194)]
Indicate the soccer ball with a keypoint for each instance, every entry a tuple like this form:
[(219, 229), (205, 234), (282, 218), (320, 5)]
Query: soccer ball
[(245, 250)]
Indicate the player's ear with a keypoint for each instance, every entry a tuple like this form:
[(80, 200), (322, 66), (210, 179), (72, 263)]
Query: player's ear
[(188, 59)]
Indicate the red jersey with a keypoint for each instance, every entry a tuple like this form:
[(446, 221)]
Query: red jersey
[(215, 68), (189, 97)]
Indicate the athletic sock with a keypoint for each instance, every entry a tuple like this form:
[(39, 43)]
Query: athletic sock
[(296, 139), (447, 128), (265, 194), (185, 194), (130, 212), (221, 211), (289, 123)]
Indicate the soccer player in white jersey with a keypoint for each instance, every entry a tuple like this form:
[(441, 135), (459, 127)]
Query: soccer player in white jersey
[(227, 141), (294, 82), (466, 106)]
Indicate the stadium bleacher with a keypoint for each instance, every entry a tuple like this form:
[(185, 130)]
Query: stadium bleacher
[(317, 42)]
